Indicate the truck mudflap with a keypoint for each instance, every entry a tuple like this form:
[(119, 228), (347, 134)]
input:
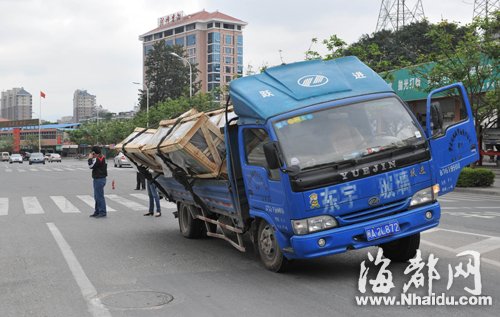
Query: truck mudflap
[(341, 239)]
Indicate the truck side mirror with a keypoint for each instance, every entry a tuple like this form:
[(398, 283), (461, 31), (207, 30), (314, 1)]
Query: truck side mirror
[(271, 154)]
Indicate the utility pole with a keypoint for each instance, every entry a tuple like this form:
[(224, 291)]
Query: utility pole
[(484, 8), (395, 14)]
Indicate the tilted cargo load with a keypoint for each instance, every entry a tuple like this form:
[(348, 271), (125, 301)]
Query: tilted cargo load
[(193, 142)]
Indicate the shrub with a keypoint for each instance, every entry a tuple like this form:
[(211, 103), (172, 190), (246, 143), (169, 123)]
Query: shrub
[(475, 177)]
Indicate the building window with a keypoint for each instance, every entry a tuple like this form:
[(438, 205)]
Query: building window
[(228, 79), (169, 32), (191, 51), (228, 69), (229, 26), (191, 40), (240, 69), (179, 41), (213, 86), (214, 48), (213, 67), (169, 42), (228, 50), (147, 49), (213, 37), (190, 27), (238, 27), (240, 50), (158, 35), (179, 30), (148, 38), (240, 40), (214, 58), (217, 24), (228, 59), (228, 39), (240, 60), (210, 25)]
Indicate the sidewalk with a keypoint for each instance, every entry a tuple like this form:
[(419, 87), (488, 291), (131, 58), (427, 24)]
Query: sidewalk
[(492, 190)]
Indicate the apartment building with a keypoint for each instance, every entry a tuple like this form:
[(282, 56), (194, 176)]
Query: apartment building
[(16, 104)]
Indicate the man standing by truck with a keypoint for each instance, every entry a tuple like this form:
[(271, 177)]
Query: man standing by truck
[(98, 165)]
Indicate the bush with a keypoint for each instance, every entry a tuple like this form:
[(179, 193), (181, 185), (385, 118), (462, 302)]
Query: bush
[(475, 177)]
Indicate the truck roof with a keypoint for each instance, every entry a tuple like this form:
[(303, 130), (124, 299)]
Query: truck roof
[(290, 87)]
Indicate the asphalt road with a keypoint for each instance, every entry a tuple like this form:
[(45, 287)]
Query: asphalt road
[(56, 261)]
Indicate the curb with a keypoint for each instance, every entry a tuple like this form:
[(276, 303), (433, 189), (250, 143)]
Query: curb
[(477, 191)]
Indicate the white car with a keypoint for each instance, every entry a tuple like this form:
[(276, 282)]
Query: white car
[(16, 158), (54, 157), (121, 160), (5, 156)]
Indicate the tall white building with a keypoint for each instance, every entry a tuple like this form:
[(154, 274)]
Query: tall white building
[(83, 105), (16, 104)]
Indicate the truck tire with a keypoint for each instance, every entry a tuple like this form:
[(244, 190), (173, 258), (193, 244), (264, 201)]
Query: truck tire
[(403, 249), (269, 250), (190, 228)]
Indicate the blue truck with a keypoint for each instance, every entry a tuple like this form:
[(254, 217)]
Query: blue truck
[(323, 157)]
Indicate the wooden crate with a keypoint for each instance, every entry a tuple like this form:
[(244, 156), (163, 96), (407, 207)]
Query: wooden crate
[(134, 149)]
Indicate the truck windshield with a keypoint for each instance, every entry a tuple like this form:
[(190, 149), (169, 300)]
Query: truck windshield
[(343, 134)]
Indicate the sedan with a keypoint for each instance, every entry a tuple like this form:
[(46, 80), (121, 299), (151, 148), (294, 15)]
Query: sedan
[(121, 160), (16, 158), (54, 157), (36, 158)]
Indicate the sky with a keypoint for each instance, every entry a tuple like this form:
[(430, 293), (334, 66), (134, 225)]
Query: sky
[(58, 46)]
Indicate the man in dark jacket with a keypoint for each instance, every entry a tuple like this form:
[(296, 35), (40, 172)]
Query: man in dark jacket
[(99, 167)]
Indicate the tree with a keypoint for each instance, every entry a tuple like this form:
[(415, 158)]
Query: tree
[(167, 76), (472, 60), (6, 143)]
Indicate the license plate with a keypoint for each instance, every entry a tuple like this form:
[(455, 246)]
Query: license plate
[(383, 230)]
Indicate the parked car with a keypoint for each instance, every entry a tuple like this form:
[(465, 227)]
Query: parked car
[(121, 160), (16, 158), (5, 156), (37, 158), (54, 157)]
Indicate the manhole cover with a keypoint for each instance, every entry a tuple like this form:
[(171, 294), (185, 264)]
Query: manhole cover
[(136, 299)]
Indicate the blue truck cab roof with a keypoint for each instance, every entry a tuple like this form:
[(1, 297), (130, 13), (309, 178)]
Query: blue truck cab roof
[(294, 86)]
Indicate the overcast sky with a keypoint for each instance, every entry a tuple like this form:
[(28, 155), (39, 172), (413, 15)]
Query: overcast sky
[(58, 46)]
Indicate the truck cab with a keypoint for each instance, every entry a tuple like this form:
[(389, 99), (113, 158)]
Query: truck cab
[(333, 160)]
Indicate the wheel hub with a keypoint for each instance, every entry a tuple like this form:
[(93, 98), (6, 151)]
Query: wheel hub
[(267, 241)]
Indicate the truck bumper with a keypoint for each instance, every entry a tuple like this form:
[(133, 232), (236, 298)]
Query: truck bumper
[(341, 239)]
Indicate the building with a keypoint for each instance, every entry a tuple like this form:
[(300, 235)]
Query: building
[(26, 133), (213, 40), (83, 105), (65, 119), (16, 104)]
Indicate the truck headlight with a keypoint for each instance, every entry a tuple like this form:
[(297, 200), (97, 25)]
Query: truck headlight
[(313, 224), (423, 196)]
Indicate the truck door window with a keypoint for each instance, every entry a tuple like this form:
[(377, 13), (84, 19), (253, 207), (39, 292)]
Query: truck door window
[(254, 149), (447, 109)]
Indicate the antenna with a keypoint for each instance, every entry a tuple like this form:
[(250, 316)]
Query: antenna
[(394, 14), (484, 8), (281, 57)]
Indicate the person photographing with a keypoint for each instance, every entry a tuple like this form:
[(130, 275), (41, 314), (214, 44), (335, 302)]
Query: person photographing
[(97, 163)]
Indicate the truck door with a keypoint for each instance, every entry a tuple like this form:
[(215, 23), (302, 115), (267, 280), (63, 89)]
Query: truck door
[(452, 135), (263, 185)]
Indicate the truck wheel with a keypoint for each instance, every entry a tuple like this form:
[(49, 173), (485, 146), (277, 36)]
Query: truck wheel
[(269, 250), (190, 228), (403, 249)]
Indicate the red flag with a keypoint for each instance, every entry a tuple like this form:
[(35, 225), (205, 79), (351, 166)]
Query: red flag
[(42, 94)]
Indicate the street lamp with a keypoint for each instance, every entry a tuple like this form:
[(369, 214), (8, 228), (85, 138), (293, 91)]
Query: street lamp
[(147, 102), (190, 72)]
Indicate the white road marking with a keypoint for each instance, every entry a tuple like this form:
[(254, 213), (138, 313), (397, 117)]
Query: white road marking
[(163, 203), (492, 243), (34, 169), (8, 170), (57, 169), (94, 305), (32, 206), (21, 171), (141, 196), (65, 205), (483, 246), (4, 206), (89, 200), (126, 202)]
